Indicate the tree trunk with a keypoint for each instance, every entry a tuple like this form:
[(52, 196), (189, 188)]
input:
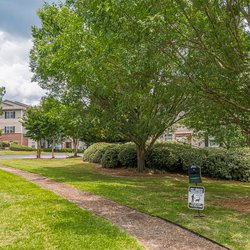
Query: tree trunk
[(141, 151), (38, 151), (75, 146), (248, 139), (52, 149)]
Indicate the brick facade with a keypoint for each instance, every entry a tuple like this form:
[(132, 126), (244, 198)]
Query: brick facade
[(18, 137)]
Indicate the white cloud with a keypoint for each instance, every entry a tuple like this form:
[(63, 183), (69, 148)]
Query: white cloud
[(15, 74)]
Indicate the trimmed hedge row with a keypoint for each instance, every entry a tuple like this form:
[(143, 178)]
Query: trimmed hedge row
[(95, 152), (175, 157), (18, 147), (63, 150)]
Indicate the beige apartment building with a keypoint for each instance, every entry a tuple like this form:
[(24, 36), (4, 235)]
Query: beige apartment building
[(10, 125), (181, 133), (13, 131)]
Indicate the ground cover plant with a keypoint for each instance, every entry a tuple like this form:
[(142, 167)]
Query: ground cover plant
[(227, 209), (34, 218)]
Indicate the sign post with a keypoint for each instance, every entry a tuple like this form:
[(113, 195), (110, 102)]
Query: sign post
[(196, 194)]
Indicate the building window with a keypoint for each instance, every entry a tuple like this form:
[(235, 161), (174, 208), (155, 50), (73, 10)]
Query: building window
[(168, 137), (33, 144), (10, 114), (9, 129)]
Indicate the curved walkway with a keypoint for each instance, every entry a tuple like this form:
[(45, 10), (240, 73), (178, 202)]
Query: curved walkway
[(153, 232)]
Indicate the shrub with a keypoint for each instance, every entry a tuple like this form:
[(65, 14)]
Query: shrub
[(184, 154), (17, 147), (110, 157), (162, 158), (216, 163), (97, 156), (4, 144), (65, 150), (91, 151), (127, 155), (227, 164)]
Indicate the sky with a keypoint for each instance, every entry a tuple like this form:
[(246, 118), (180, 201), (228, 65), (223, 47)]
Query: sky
[(16, 19)]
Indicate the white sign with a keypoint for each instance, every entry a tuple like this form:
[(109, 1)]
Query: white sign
[(196, 196)]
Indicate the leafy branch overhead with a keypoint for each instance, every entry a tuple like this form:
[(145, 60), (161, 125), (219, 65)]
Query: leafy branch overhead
[(138, 67)]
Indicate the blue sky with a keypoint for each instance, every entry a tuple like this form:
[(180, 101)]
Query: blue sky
[(16, 19)]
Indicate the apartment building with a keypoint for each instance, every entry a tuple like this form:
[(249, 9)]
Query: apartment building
[(12, 129), (180, 133), (10, 125)]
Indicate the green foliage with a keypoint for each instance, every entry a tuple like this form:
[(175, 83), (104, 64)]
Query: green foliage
[(5, 144), (110, 158), (17, 147), (127, 155), (2, 92), (38, 214), (228, 164), (156, 195), (163, 158), (139, 91), (94, 152), (34, 121), (177, 157), (62, 150)]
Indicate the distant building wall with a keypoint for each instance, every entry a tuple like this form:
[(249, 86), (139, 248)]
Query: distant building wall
[(15, 137)]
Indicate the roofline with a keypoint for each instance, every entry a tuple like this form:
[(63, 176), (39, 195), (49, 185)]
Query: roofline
[(17, 103)]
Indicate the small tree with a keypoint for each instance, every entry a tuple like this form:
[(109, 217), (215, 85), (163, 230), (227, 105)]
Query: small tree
[(53, 128), (34, 122)]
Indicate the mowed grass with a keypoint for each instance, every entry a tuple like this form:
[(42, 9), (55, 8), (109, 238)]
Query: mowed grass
[(10, 152), (162, 196), (34, 218)]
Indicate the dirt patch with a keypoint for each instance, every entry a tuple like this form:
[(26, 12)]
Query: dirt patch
[(126, 172), (240, 205)]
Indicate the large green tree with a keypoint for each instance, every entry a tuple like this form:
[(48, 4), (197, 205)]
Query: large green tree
[(215, 36), (119, 54)]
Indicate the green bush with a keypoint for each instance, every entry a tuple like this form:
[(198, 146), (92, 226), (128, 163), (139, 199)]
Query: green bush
[(62, 150), (4, 144), (178, 157), (163, 158), (17, 147), (184, 154), (227, 164), (94, 152), (127, 155), (110, 157), (65, 150)]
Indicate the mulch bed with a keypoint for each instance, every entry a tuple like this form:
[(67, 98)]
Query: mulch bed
[(129, 172), (240, 205)]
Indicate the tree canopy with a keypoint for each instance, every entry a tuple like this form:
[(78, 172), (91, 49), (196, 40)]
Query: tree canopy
[(141, 66)]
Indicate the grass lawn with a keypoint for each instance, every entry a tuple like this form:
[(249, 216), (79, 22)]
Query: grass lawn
[(34, 218), (162, 196), (9, 152)]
